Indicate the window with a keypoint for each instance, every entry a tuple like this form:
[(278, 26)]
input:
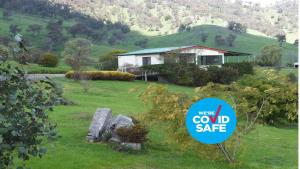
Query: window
[(146, 61), (210, 60)]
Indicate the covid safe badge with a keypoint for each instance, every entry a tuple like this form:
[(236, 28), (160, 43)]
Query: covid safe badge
[(211, 121)]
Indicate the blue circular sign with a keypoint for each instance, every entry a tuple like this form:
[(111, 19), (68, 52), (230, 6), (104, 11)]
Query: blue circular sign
[(211, 121)]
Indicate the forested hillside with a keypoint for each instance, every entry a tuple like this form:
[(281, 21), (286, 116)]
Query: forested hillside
[(165, 17)]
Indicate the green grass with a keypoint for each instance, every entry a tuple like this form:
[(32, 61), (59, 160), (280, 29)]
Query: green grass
[(265, 147)]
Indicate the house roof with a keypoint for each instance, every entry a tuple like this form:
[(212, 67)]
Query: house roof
[(154, 50), (170, 49)]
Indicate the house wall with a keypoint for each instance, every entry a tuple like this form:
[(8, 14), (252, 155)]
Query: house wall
[(205, 52), (137, 60)]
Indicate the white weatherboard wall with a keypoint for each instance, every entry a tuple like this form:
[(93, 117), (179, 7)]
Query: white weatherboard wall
[(137, 60)]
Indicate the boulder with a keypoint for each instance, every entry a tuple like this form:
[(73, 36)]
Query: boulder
[(120, 121), (101, 119)]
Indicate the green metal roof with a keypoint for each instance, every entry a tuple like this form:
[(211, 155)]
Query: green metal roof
[(154, 50)]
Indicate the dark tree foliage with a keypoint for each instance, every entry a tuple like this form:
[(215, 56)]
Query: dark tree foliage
[(24, 123), (230, 39), (203, 37), (78, 29), (142, 43), (95, 29), (34, 29), (237, 27), (281, 39), (6, 14), (219, 40), (14, 29), (55, 35), (296, 42), (184, 28)]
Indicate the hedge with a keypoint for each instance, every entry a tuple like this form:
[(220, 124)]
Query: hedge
[(100, 75)]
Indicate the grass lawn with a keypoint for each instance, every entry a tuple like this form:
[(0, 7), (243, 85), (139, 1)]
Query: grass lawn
[(265, 147)]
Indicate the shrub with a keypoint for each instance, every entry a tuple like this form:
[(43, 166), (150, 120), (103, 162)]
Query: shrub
[(242, 68), (110, 60), (270, 56), (4, 52), (192, 75), (223, 75), (292, 77), (134, 134), (35, 56), (24, 121), (48, 60), (101, 75)]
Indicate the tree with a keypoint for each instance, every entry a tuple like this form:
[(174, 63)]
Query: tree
[(270, 55), (77, 53), (14, 29), (204, 37), (6, 14), (112, 40), (110, 60), (24, 120), (55, 36), (230, 39), (219, 40), (34, 29), (4, 53), (296, 42), (281, 39), (78, 28), (141, 43), (237, 27)]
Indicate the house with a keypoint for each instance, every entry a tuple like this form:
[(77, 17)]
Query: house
[(201, 55)]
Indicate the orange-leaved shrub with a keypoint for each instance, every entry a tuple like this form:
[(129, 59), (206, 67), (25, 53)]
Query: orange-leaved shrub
[(102, 75)]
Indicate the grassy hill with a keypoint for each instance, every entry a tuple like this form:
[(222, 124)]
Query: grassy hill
[(243, 43)]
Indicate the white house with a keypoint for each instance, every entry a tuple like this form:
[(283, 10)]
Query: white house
[(201, 55)]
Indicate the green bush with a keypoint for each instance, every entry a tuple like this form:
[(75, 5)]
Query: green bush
[(48, 60), (243, 67), (192, 75), (223, 75), (24, 106), (135, 134), (101, 75), (110, 60), (292, 77)]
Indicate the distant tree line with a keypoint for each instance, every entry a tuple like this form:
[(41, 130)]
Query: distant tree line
[(85, 26)]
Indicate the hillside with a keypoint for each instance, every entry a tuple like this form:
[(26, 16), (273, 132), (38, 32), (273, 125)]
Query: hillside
[(153, 17), (132, 40)]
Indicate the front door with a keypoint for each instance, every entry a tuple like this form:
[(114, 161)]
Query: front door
[(146, 61)]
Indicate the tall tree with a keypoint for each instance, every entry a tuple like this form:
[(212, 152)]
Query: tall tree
[(271, 55), (77, 53), (237, 27), (230, 39), (281, 39)]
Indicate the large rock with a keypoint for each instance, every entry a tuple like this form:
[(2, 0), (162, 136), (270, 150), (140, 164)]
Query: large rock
[(101, 119), (120, 121)]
